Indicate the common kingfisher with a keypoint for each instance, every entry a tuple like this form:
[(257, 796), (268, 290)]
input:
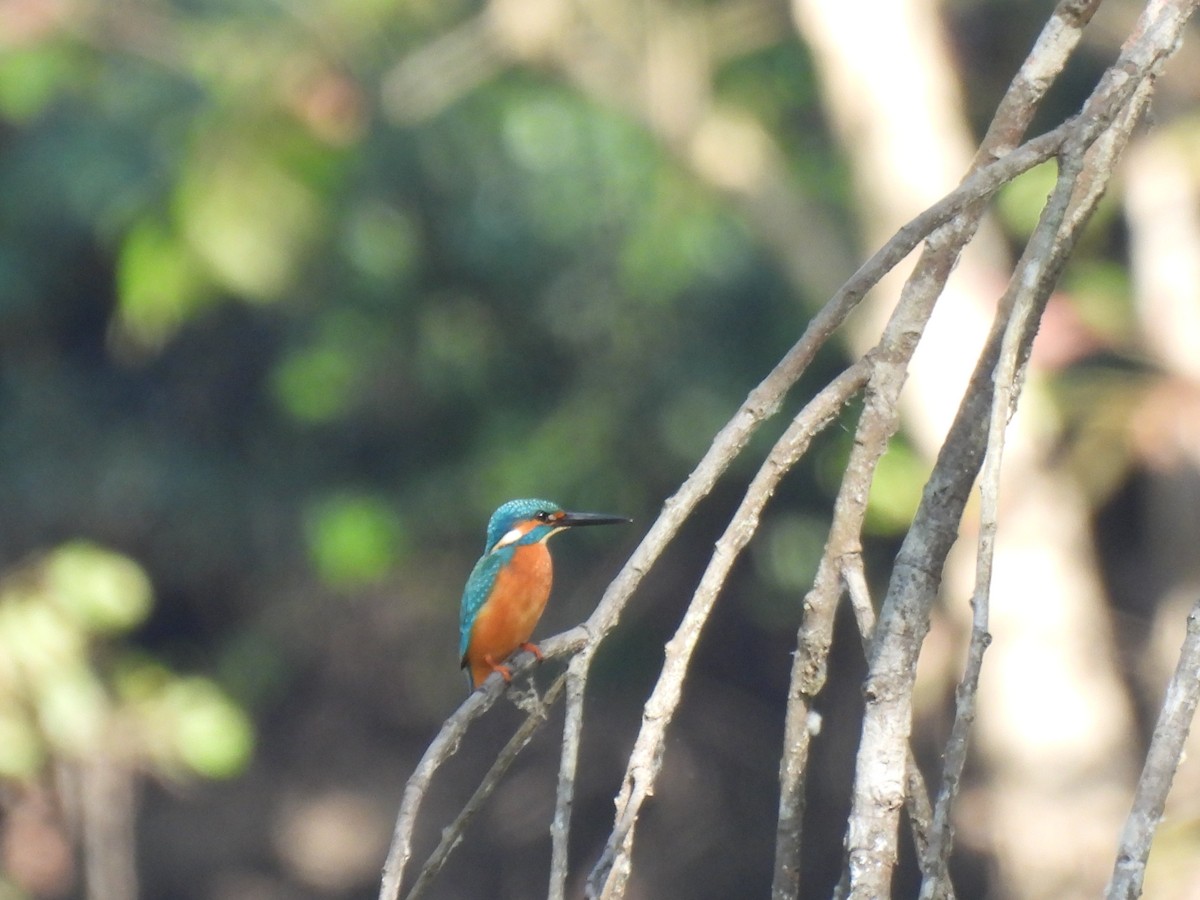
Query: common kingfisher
[(509, 586)]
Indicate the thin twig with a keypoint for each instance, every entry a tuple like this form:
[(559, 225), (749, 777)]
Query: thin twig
[(936, 883), (877, 423), (560, 828), (1162, 760), (1089, 183), (608, 878), (905, 620), (923, 287), (444, 746), (761, 403), (879, 775), (453, 833), (1046, 60)]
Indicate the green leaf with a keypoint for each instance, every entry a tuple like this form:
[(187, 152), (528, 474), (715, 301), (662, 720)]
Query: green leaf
[(353, 539), (104, 591)]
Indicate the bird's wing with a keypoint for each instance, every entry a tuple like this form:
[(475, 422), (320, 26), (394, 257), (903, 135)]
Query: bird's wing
[(475, 594)]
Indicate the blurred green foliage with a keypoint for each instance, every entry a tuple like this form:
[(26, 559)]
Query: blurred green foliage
[(72, 688), (353, 539), (279, 348)]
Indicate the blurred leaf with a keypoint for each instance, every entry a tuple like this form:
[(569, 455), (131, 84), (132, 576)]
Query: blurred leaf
[(689, 423), (212, 735), (21, 754), (37, 636), (55, 613), (896, 491), (456, 343), (73, 710), (682, 237), (247, 218), (381, 241), (792, 549), (1021, 201), (30, 77), (353, 539), (323, 380), (104, 591), (1102, 295), (160, 284), (316, 384)]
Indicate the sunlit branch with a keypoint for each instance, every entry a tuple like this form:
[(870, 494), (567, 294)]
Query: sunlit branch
[(916, 577), (608, 878), (453, 833), (1162, 761), (879, 777), (761, 403), (935, 857), (916, 799), (444, 746), (879, 421), (1088, 185), (923, 556)]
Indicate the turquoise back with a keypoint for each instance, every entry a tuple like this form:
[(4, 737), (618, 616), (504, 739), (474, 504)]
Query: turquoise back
[(478, 589)]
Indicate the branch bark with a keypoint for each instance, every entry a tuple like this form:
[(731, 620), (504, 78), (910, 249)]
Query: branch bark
[(453, 833), (444, 746), (609, 877), (879, 421), (761, 403), (1162, 760), (1119, 98)]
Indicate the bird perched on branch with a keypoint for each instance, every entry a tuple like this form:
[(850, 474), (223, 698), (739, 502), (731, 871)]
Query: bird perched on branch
[(509, 586)]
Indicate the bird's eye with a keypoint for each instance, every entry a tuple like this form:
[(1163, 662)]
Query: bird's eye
[(542, 516)]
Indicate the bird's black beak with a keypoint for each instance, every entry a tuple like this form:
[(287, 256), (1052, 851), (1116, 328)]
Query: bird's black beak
[(571, 519)]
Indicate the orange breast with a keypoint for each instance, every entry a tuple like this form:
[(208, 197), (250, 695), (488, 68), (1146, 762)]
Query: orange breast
[(512, 611)]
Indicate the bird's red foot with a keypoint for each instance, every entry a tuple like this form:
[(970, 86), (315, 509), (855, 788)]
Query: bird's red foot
[(534, 649), (505, 671)]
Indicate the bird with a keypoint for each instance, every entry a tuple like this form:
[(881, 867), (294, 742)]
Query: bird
[(507, 589)]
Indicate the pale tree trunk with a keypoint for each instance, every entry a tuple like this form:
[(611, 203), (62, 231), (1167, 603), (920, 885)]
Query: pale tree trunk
[(1054, 724)]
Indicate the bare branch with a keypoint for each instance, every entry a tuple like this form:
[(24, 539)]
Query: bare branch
[(762, 402), (879, 781), (1045, 62), (560, 828), (916, 799), (935, 859), (951, 222), (453, 833), (609, 876), (1162, 760), (443, 747), (1007, 387), (880, 420), (915, 579)]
